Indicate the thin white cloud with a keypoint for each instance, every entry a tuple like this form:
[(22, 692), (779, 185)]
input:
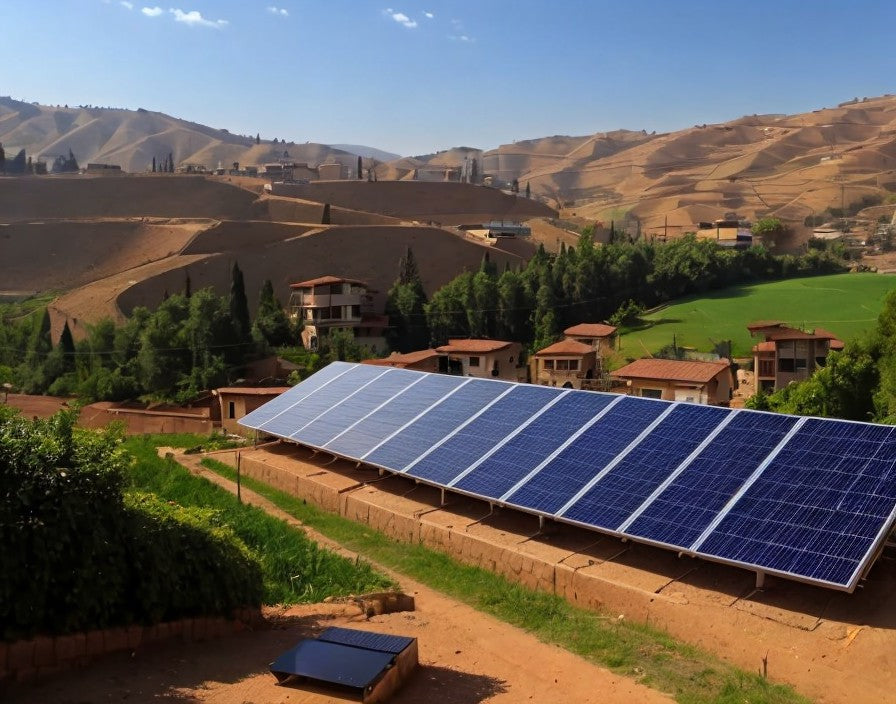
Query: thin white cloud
[(152, 11), (428, 15), (274, 10), (127, 4), (401, 18), (194, 18), (461, 38)]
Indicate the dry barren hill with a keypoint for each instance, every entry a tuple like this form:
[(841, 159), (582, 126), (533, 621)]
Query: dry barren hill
[(447, 203), (132, 138), (110, 244), (789, 166)]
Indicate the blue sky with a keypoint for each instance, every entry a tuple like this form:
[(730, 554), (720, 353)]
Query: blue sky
[(414, 77)]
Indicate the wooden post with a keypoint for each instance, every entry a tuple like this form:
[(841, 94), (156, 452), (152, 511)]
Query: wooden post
[(239, 496)]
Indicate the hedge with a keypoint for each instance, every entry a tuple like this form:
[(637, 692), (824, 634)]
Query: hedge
[(76, 554)]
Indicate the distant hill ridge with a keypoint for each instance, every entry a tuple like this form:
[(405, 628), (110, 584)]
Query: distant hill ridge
[(791, 167)]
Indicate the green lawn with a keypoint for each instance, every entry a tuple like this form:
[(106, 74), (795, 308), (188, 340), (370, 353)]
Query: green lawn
[(845, 304)]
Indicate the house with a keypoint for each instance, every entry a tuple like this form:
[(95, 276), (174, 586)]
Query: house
[(569, 364), (237, 401), (788, 354), (600, 337), (332, 303), (331, 172), (487, 359), (421, 361), (710, 383)]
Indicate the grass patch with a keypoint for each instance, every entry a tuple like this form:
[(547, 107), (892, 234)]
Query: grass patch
[(845, 304), (295, 569), (651, 656)]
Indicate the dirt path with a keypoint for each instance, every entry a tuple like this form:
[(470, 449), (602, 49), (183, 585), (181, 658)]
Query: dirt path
[(466, 657)]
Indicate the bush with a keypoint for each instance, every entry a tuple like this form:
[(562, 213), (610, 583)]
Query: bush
[(78, 555)]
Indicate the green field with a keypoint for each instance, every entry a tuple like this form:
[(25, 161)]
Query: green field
[(845, 304)]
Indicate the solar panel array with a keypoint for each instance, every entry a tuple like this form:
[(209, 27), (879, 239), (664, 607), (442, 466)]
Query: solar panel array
[(806, 498)]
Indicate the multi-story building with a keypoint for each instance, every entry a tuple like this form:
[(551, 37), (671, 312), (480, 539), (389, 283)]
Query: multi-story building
[(331, 303), (568, 364), (788, 354)]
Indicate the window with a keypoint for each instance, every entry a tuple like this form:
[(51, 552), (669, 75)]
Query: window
[(562, 365), (231, 409), (785, 365), (651, 393), (800, 364), (474, 361), (549, 365), (573, 365), (766, 367), (356, 311)]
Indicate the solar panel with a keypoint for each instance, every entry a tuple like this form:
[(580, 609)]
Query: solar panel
[(613, 498), (817, 508), (499, 420), (526, 452), (688, 505), (289, 399), (548, 491), (355, 406), (361, 437), (811, 499), (412, 441)]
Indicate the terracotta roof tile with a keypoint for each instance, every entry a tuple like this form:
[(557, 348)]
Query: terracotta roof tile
[(565, 347), (464, 346), (402, 360), (590, 330), (321, 280), (672, 370), (254, 390)]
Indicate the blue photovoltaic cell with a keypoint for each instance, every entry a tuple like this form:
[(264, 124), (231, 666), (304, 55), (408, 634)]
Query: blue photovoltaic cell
[(818, 507), (689, 504), (363, 437), (355, 407), (280, 404), (567, 473), (383, 642), (625, 487), (319, 400), (416, 439), (476, 439), (500, 472)]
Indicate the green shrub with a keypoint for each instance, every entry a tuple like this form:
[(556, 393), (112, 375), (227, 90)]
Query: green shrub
[(77, 555)]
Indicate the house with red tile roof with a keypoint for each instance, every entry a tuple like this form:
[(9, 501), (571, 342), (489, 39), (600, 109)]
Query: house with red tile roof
[(788, 354), (602, 338), (487, 359), (710, 383), (568, 364), (421, 361)]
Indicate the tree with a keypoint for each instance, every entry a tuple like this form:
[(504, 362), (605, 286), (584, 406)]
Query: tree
[(515, 186), (769, 231), (239, 307), (474, 171), (528, 190), (360, 169), (170, 162), (153, 164), (2, 159), (325, 216), (258, 138), (271, 323), (405, 306), (67, 346)]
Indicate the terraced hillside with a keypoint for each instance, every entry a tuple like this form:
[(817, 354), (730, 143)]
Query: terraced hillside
[(110, 244)]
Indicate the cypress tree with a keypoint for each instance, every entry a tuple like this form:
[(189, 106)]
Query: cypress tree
[(528, 192), (325, 217), (153, 164), (258, 138), (239, 307), (67, 345), (360, 169), (2, 159), (170, 163)]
